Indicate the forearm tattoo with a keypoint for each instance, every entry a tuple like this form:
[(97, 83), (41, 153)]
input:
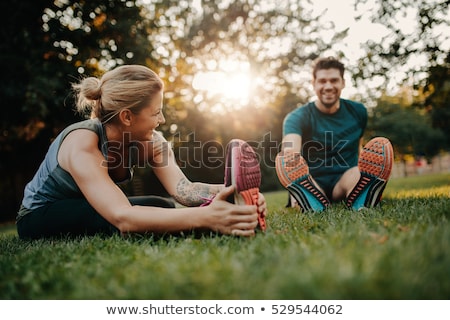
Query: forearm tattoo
[(192, 194)]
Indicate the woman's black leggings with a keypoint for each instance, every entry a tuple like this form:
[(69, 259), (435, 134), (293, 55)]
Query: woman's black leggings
[(75, 217)]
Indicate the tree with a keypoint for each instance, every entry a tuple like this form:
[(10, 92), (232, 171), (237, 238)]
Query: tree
[(25, 89), (405, 54), (437, 102), (407, 127)]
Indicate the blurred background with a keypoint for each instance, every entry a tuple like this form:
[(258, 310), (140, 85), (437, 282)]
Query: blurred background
[(232, 69)]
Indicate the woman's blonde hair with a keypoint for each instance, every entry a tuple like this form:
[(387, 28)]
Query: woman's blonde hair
[(126, 87)]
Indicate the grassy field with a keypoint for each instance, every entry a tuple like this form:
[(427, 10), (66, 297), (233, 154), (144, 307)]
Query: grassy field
[(400, 250)]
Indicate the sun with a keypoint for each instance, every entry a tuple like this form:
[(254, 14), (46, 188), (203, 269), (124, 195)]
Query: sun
[(234, 86), (229, 82)]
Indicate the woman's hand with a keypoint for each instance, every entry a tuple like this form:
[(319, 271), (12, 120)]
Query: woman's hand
[(228, 218), (262, 205)]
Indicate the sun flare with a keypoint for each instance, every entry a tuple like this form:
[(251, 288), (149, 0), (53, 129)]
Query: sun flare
[(230, 83), (234, 86)]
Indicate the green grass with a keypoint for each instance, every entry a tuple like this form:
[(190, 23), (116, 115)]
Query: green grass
[(397, 251)]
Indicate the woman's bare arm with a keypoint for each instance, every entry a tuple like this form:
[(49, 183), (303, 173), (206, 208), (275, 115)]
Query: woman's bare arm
[(164, 165), (193, 194), (79, 155)]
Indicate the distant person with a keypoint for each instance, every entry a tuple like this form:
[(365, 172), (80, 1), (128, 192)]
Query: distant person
[(75, 190), (421, 164), (321, 160)]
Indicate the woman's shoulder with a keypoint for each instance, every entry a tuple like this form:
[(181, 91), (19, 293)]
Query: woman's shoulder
[(84, 133), (90, 124)]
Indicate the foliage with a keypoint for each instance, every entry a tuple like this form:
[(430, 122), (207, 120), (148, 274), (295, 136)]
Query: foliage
[(437, 103), (397, 251), (406, 44), (409, 130)]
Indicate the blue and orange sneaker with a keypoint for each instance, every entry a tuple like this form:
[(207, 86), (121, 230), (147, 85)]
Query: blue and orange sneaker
[(375, 165), (293, 173), (242, 171)]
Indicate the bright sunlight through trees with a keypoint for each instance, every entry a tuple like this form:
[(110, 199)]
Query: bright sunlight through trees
[(231, 82)]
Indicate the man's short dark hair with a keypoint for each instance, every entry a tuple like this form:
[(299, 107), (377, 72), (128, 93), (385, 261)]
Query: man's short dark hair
[(328, 63)]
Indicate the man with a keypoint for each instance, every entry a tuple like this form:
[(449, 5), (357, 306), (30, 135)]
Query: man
[(320, 161)]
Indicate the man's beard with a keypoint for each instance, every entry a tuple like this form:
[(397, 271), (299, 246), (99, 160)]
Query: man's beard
[(328, 105)]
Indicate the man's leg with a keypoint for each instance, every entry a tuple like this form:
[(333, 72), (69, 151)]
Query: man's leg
[(345, 184)]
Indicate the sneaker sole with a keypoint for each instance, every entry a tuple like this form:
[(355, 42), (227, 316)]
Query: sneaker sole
[(293, 173), (243, 172), (375, 165)]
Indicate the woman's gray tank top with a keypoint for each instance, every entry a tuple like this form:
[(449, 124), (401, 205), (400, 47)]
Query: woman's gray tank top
[(51, 182)]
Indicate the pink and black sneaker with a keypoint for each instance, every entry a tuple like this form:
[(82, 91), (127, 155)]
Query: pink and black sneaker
[(242, 171)]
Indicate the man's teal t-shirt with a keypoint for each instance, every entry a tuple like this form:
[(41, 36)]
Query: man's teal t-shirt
[(330, 142)]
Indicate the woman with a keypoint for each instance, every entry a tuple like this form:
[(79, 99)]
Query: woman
[(75, 189)]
